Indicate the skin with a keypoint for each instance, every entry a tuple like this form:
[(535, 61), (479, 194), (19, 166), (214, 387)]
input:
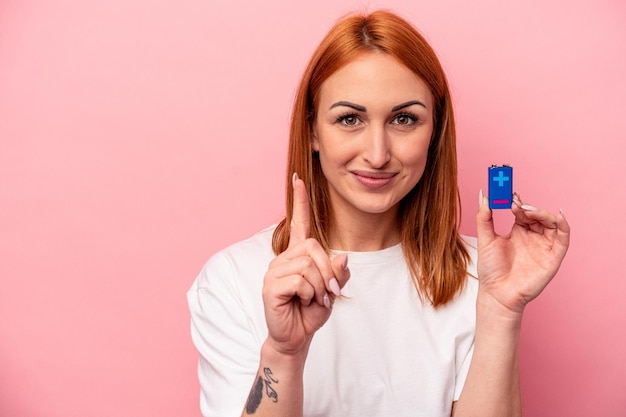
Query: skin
[(512, 270), (372, 155), (372, 145)]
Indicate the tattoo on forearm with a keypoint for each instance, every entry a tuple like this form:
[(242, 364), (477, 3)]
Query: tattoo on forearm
[(256, 394), (269, 379), (254, 399)]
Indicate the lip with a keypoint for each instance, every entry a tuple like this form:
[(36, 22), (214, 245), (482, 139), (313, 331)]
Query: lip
[(373, 180)]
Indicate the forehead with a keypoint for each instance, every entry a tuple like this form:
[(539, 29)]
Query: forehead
[(376, 77)]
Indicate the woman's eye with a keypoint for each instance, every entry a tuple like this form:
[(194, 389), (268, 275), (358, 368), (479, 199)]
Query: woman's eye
[(404, 119), (349, 120)]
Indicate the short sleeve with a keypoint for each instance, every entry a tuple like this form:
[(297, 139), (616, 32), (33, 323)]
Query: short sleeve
[(461, 374), (465, 350), (222, 333)]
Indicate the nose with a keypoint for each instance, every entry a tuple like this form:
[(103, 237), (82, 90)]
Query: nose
[(376, 147)]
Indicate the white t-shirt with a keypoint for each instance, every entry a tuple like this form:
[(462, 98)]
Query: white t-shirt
[(382, 353)]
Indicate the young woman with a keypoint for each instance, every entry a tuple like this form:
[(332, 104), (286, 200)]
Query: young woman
[(365, 300)]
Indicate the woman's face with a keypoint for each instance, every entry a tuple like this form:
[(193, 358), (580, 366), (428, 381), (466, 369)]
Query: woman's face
[(373, 127)]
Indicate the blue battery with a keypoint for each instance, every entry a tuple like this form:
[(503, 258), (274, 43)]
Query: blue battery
[(500, 186)]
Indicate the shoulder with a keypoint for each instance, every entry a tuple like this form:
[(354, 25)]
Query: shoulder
[(257, 246), (246, 258)]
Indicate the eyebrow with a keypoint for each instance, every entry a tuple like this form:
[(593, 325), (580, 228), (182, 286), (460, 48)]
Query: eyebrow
[(358, 107), (348, 104), (407, 104)]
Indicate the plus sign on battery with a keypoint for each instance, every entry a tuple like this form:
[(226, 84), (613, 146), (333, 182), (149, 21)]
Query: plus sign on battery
[(501, 179)]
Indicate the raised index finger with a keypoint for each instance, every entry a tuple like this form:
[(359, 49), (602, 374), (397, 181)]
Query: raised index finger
[(300, 216)]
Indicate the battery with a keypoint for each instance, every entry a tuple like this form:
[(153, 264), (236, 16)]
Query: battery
[(500, 186)]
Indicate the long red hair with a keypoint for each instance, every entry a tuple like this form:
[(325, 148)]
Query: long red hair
[(428, 216)]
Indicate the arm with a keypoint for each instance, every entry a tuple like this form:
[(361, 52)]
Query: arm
[(230, 353), (512, 270), (492, 387), (298, 292), (278, 386)]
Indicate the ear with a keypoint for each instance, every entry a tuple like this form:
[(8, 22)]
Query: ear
[(315, 143)]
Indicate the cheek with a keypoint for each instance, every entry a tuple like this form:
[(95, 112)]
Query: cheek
[(415, 163), (333, 148), (415, 155), (329, 156)]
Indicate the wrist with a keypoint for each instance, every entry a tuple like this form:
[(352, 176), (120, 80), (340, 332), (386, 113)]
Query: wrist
[(491, 312), (293, 360)]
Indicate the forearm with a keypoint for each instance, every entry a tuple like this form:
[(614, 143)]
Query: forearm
[(277, 390), (492, 387)]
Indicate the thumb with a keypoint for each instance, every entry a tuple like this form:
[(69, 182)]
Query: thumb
[(340, 267)]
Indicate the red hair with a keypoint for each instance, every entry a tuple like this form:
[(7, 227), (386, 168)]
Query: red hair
[(428, 215)]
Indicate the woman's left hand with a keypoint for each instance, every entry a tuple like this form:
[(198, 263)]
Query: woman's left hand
[(514, 269)]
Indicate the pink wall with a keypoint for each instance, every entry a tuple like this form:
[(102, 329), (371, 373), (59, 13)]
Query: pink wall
[(139, 137)]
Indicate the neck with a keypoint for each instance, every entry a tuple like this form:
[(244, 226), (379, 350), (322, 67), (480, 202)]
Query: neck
[(364, 232)]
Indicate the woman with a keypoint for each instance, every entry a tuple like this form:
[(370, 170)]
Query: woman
[(365, 300)]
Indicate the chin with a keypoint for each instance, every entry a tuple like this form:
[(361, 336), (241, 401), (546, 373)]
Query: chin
[(377, 209)]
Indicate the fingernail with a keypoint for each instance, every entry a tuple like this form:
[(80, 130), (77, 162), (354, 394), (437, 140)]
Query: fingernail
[(326, 301), (334, 287), (294, 177), (516, 199), (480, 198), (562, 214), (528, 207)]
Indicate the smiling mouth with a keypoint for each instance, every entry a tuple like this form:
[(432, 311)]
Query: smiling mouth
[(373, 180)]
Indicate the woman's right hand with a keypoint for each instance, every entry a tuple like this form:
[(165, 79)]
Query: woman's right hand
[(301, 283)]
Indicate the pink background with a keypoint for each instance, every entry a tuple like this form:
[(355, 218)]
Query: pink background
[(138, 137)]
